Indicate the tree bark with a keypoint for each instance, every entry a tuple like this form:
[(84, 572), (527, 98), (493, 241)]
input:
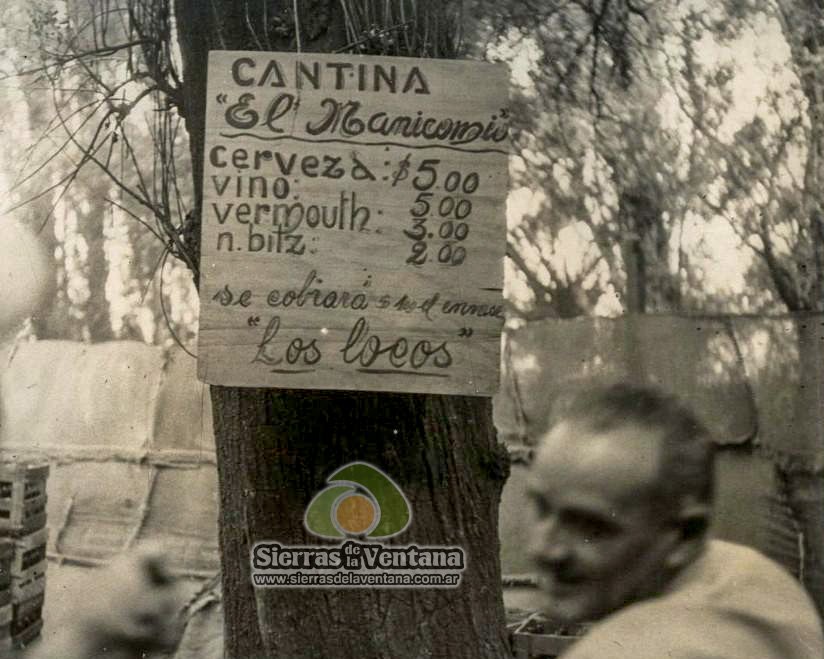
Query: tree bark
[(275, 449)]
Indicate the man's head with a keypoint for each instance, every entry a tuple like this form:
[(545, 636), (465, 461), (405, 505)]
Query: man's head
[(622, 485)]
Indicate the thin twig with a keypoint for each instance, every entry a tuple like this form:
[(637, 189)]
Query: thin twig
[(135, 217), (109, 50), (47, 160), (297, 24), (249, 25), (166, 315), (149, 279)]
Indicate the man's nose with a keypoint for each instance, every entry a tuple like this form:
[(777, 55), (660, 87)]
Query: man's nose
[(549, 543)]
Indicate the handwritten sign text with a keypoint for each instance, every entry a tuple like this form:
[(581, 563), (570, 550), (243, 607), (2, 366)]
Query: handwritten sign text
[(353, 224)]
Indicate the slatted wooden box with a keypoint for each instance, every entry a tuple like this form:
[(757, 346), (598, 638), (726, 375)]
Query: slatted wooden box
[(24, 637), (22, 498), (33, 582), (29, 550), (537, 638), (6, 561), (526, 645), (26, 613), (5, 629)]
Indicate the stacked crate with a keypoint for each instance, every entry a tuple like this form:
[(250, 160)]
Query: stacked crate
[(535, 637), (6, 559), (23, 528)]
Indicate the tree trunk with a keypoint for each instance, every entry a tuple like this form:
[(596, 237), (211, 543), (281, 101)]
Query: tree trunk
[(275, 448), (96, 312), (48, 322)]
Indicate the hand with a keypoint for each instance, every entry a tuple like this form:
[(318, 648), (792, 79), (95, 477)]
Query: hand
[(131, 607)]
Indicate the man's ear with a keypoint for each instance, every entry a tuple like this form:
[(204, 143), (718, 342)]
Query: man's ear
[(691, 525)]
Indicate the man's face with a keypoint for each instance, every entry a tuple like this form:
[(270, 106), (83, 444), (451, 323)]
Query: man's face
[(596, 540)]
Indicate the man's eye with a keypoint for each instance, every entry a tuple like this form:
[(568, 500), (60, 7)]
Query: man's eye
[(593, 529), (541, 506)]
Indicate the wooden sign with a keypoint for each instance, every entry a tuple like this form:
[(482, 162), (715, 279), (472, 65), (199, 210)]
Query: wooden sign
[(353, 223)]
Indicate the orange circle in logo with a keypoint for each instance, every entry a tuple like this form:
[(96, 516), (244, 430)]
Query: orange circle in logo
[(355, 514)]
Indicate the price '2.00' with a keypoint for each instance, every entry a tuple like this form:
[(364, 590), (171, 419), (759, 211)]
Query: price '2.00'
[(449, 211)]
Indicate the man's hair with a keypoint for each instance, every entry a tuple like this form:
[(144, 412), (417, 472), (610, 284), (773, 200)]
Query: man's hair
[(687, 455)]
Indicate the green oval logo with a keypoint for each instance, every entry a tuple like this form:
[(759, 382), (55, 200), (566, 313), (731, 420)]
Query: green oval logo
[(360, 501)]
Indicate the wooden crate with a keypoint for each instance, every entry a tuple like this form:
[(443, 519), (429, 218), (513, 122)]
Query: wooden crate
[(17, 519), (29, 550), (26, 613), (6, 560), (23, 478), (537, 638), (32, 583), (25, 637), (5, 629), (526, 645), (22, 498)]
